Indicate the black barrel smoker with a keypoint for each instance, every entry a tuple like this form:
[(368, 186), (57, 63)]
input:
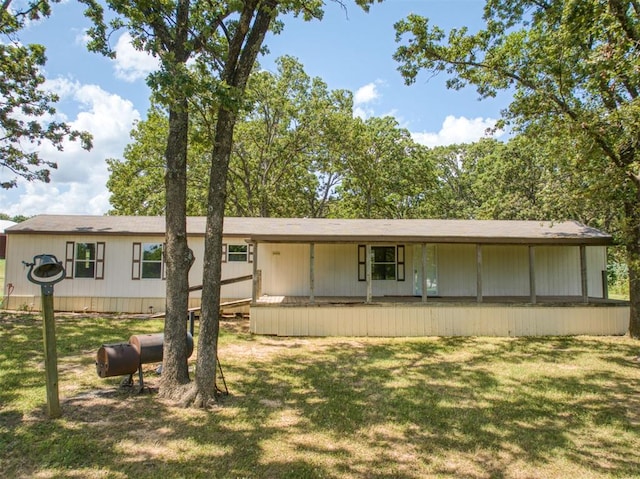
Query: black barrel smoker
[(120, 359)]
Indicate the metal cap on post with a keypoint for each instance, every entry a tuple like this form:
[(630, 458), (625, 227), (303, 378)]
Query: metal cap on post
[(46, 271)]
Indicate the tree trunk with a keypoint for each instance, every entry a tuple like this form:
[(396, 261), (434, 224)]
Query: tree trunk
[(206, 363), (633, 262), (243, 50), (634, 293), (178, 258)]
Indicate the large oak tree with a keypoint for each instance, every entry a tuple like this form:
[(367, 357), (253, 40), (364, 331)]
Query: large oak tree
[(573, 67), (286, 157), (207, 51)]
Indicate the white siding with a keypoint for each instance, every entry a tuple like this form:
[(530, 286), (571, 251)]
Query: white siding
[(456, 270), (336, 271), (117, 292), (596, 264), (286, 271), (558, 271), (505, 270)]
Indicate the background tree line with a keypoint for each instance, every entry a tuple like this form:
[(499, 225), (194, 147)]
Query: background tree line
[(299, 152)]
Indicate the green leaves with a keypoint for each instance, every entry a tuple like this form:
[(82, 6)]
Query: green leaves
[(25, 108), (297, 152)]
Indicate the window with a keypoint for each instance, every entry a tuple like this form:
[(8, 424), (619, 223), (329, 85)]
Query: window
[(387, 263), (147, 261), (152, 260), (85, 260), (239, 253), (85, 263), (383, 262)]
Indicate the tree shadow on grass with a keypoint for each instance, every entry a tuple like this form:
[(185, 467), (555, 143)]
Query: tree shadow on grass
[(448, 407), (125, 436), (342, 408), (110, 432)]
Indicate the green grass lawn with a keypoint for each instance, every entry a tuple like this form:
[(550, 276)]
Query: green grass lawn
[(328, 408)]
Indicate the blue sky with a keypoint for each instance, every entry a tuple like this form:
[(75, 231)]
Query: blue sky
[(347, 49)]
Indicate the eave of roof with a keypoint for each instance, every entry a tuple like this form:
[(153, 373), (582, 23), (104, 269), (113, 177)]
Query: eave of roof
[(325, 230)]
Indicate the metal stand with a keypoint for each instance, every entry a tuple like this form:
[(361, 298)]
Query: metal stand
[(218, 390)]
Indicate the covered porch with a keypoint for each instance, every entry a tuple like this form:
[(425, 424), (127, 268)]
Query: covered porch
[(432, 277)]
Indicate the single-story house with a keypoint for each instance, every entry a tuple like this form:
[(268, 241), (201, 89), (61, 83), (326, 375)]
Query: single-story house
[(352, 277)]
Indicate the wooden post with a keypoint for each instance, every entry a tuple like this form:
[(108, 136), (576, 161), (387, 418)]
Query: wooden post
[(583, 274), (50, 354), (255, 286), (532, 274), (424, 273), (312, 258), (369, 265), (259, 283), (479, 273)]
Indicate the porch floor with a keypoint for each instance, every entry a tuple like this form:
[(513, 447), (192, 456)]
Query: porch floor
[(268, 300)]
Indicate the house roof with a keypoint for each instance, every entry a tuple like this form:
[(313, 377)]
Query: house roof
[(325, 230)]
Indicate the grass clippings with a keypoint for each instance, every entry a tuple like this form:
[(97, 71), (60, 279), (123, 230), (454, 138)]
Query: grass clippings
[(328, 407)]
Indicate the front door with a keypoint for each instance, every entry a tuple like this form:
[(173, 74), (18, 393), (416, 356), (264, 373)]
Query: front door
[(432, 270)]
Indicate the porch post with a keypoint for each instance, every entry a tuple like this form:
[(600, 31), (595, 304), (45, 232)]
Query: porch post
[(368, 251), (583, 274), (532, 274), (312, 258), (479, 273), (424, 272), (255, 280)]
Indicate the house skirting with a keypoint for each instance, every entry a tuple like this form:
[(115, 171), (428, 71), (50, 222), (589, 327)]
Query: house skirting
[(346, 317), (439, 319), (79, 304)]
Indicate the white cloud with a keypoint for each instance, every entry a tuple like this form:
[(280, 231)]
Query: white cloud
[(362, 113), (364, 96), (78, 185), (132, 64), (82, 38), (457, 130)]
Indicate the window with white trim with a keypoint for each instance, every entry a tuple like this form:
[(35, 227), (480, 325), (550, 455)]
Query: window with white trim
[(387, 263), (237, 253), (84, 260), (152, 260), (147, 261)]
